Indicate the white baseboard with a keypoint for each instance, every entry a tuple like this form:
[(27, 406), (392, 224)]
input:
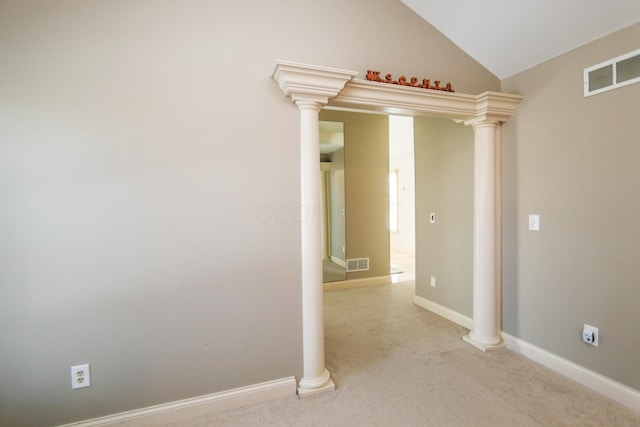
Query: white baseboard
[(622, 394), (183, 410), (445, 312), (356, 283), (338, 261)]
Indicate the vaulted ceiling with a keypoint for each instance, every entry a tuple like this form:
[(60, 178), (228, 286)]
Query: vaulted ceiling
[(509, 36)]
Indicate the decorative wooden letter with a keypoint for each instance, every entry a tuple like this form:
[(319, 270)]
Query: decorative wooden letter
[(374, 76)]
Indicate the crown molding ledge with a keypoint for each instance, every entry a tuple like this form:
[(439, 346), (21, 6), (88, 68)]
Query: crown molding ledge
[(496, 106), (337, 88), (310, 82), (394, 99)]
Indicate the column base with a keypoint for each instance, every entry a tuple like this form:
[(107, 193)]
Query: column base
[(310, 387), (307, 392), (483, 346)]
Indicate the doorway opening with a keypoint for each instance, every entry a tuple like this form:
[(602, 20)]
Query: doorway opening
[(402, 257), (312, 87)]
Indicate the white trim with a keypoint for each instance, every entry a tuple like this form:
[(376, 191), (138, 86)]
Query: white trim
[(622, 394), (482, 346), (371, 96), (338, 261), (183, 410), (304, 392), (445, 312), (311, 88), (357, 283)]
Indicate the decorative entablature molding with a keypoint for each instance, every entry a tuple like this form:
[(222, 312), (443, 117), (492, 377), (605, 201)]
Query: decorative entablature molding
[(394, 99), (496, 106), (310, 82), (339, 89)]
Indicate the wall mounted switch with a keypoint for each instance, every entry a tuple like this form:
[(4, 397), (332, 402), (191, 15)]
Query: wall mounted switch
[(534, 222), (433, 281), (432, 218)]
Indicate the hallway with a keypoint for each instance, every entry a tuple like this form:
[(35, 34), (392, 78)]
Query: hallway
[(403, 266)]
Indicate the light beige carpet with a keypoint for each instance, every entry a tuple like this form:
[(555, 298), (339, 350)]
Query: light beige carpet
[(395, 364)]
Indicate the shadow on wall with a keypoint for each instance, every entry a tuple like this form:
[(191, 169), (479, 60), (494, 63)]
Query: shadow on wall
[(510, 229)]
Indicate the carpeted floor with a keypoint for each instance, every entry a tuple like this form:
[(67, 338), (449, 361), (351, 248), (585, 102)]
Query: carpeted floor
[(395, 364)]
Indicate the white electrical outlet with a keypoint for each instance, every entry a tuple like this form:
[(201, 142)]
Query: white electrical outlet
[(80, 376), (433, 281), (590, 335)]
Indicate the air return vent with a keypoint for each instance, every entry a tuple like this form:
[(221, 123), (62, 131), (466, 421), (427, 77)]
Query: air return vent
[(357, 264), (612, 74)]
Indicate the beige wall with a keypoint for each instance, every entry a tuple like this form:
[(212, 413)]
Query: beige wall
[(574, 161), (366, 179), (149, 180), (444, 186)]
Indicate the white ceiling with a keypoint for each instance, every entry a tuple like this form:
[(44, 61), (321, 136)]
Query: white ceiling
[(509, 36)]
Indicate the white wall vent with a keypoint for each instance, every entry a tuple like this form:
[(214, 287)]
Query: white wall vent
[(357, 264), (612, 74)]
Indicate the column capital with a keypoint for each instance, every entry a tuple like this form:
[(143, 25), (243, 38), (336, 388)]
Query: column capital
[(480, 122), (304, 83), (309, 102), (494, 107)]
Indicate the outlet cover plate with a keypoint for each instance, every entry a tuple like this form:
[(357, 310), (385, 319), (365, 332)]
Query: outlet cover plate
[(80, 376), (590, 335)]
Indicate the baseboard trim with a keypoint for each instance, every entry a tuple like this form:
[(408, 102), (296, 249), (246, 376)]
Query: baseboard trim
[(612, 389), (443, 311), (338, 261), (357, 283), (620, 393), (187, 409)]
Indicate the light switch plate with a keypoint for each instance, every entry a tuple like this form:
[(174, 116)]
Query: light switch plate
[(534, 222)]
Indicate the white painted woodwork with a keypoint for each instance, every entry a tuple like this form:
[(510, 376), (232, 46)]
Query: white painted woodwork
[(486, 331), (173, 413), (312, 88)]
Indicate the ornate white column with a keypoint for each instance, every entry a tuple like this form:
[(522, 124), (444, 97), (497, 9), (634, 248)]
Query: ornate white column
[(311, 88), (486, 330), (491, 110), (316, 377)]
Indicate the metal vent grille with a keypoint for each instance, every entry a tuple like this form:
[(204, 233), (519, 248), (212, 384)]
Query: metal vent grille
[(601, 78), (357, 264), (628, 69), (612, 74)]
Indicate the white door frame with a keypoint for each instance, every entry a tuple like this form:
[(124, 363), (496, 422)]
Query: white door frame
[(312, 88)]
